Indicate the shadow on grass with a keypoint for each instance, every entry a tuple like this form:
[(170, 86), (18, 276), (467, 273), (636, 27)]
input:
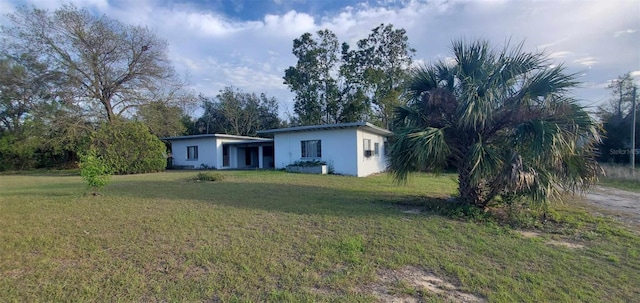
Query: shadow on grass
[(288, 198)]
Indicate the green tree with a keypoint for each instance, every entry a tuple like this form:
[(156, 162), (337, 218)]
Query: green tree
[(503, 119), (383, 60), (42, 130), (25, 84), (108, 67), (619, 105), (162, 119), (236, 112), (129, 148), (94, 170), (616, 116), (313, 79), (335, 84)]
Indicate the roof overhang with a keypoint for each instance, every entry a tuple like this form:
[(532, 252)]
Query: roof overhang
[(360, 125), (221, 136), (250, 142)]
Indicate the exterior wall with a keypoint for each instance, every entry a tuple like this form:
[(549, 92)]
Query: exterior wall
[(338, 149), (375, 163), (207, 152)]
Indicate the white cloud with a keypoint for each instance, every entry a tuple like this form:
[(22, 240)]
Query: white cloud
[(626, 31), (598, 39), (560, 54), (53, 4), (586, 61), (291, 23)]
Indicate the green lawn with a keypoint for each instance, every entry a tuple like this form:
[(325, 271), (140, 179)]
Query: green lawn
[(630, 185), (273, 236)]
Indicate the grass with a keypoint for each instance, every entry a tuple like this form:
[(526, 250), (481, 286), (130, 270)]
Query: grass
[(273, 236), (621, 177)]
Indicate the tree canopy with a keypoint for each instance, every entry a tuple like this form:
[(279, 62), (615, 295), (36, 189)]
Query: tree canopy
[(335, 84), (65, 72), (617, 117), (236, 112), (109, 67), (504, 119)]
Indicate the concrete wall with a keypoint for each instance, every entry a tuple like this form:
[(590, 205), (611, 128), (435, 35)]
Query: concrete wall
[(339, 148), (375, 163), (207, 152)]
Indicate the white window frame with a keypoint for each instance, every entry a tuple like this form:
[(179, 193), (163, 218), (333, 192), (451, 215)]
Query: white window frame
[(192, 153), (307, 149)]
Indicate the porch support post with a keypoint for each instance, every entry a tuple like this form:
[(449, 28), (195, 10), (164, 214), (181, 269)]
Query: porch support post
[(260, 157)]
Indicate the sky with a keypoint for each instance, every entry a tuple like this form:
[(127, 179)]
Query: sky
[(247, 43)]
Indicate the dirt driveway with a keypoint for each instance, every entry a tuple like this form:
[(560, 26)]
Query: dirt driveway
[(621, 203)]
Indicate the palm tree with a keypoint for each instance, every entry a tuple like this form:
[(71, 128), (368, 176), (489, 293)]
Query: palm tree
[(503, 119)]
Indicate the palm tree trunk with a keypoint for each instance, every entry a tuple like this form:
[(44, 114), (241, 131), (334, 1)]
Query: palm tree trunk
[(470, 194)]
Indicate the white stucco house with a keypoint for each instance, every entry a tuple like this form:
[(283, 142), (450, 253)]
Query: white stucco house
[(221, 151), (356, 149)]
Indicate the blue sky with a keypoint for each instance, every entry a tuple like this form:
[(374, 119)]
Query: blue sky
[(247, 43)]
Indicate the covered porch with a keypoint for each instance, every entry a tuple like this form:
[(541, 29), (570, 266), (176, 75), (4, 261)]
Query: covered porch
[(247, 155)]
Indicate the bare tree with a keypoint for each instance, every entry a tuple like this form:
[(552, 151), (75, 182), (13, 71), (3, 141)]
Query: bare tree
[(108, 67)]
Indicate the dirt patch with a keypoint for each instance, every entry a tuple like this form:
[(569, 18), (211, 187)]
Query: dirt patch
[(418, 280), (532, 234), (413, 211), (527, 234), (564, 244), (623, 204)]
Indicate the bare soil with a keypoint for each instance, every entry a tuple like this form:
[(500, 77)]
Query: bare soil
[(622, 204), (419, 280)]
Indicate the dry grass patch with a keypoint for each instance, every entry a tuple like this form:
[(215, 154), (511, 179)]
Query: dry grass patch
[(410, 284)]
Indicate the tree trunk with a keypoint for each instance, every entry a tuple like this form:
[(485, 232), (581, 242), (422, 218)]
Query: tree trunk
[(470, 194), (111, 117)]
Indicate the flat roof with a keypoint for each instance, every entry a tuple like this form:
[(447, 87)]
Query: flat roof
[(214, 136), (363, 125)]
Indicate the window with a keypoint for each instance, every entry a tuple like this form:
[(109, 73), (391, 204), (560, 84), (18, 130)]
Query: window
[(311, 149), (367, 147), (192, 152), (376, 148)]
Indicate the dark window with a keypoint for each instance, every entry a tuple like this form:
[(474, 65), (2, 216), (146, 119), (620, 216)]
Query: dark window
[(225, 156), (192, 152), (311, 149)]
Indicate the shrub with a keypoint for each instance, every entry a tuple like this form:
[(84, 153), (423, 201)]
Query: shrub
[(94, 170), (309, 163), (209, 176), (129, 148)]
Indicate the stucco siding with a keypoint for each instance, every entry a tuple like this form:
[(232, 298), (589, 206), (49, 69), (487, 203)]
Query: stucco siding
[(374, 163), (338, 146), (209, 152), (206, 152)]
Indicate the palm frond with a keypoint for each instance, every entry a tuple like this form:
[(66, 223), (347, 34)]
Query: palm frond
[(417, 149)]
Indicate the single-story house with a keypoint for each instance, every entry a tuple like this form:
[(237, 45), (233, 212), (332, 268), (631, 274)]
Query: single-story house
[(221, 151), (356, 149)]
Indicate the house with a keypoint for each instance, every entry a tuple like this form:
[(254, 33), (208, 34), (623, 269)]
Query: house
[(221, 151), (356, 149)]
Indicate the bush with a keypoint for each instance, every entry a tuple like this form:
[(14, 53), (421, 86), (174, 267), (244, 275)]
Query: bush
[(309, 163), (209, 176), (94, 170), (129, 148)]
